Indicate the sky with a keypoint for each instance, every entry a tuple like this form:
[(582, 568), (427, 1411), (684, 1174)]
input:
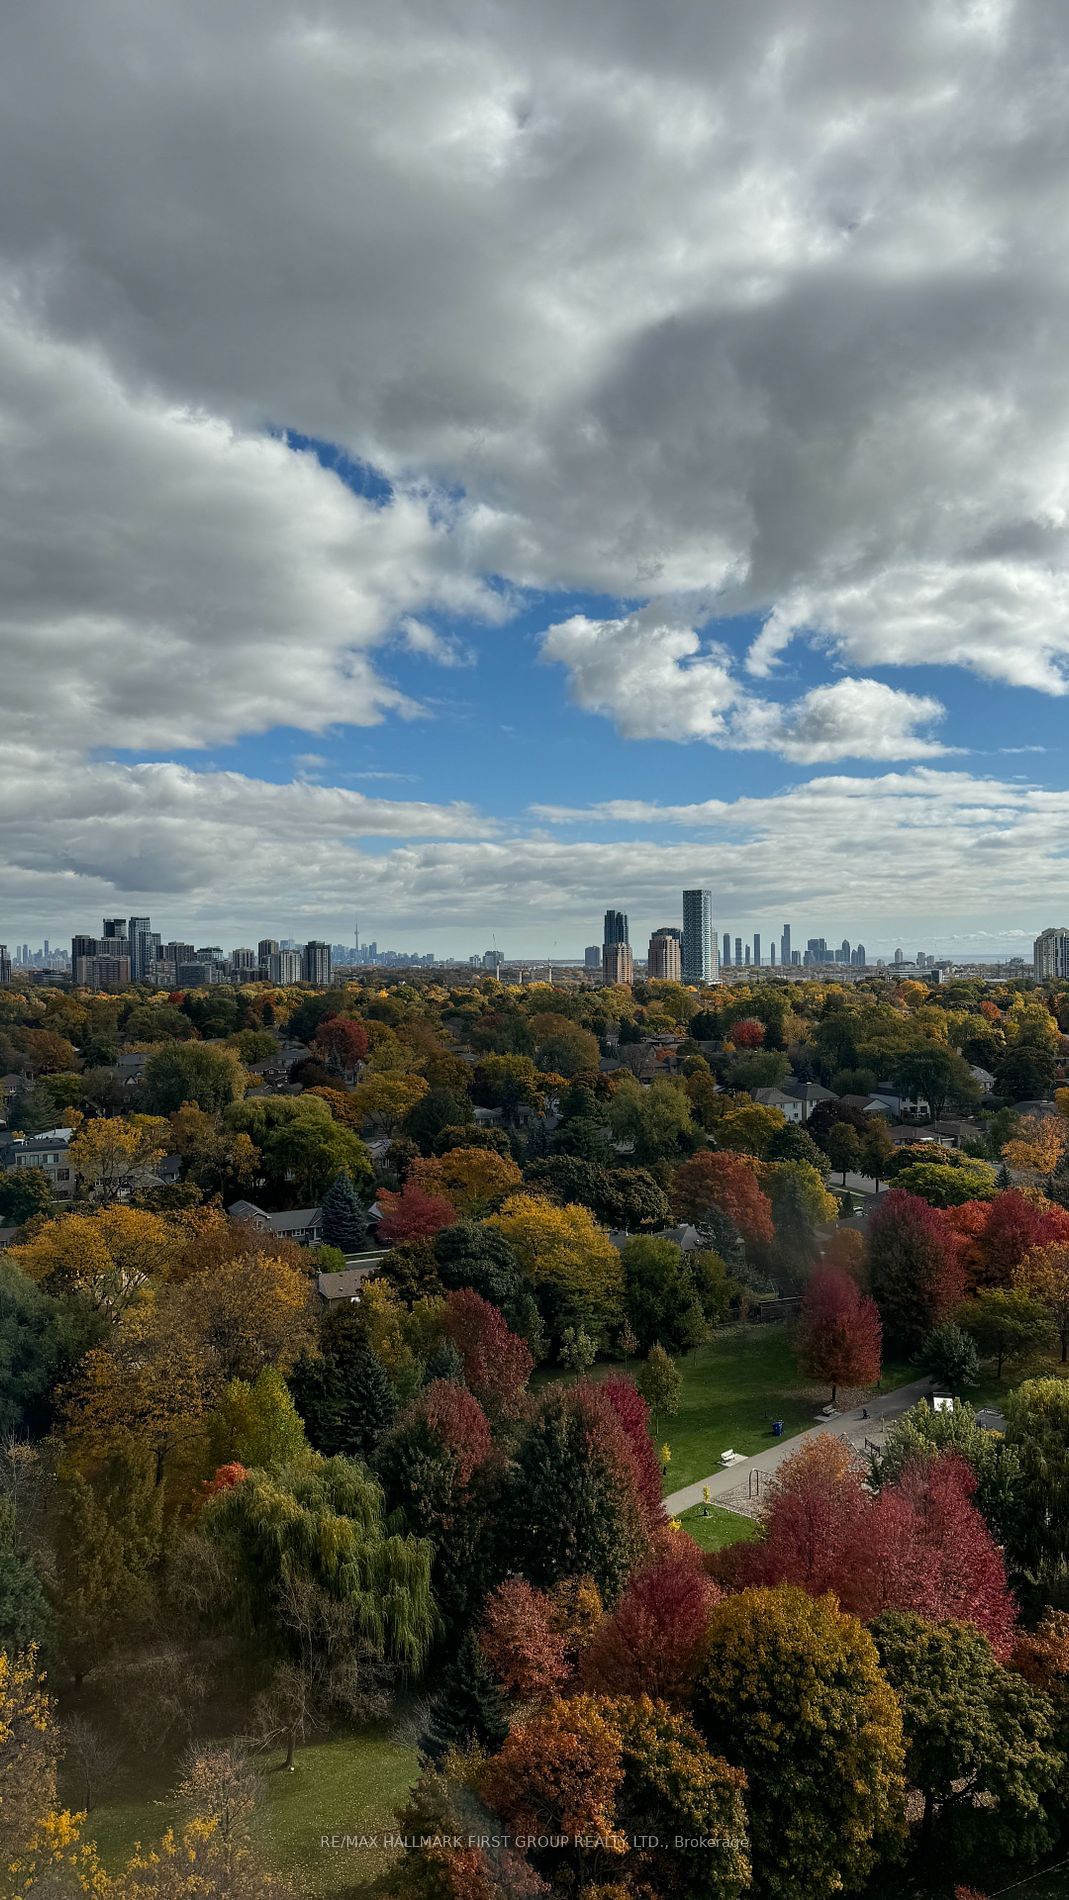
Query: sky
[(467, 466)]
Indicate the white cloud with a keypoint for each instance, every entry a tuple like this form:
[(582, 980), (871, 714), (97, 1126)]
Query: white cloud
[(851, 719), (651, 675), (170, 580), (217, 853), (657, 680), (765, 303)]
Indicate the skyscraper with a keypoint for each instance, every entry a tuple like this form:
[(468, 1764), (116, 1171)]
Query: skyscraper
[(617, 963), (785, 945), (663, 962), (592, 956), (844, 950), (772, 953), (5, 964), (738, 953), (315, 963), (757, 949), (699, 943), (1050, 953), (144, 947), (725, 954)]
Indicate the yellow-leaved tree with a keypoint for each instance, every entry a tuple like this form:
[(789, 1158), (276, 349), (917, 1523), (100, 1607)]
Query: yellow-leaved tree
[(568, 1258)]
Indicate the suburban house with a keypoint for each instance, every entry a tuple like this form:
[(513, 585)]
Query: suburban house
[(346, 1284), (47, 1152), (303, 1224), (795, 1100)]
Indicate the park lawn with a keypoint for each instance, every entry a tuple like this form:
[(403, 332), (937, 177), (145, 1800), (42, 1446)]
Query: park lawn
[(732, 1389), (350, 1784), (718, 1528)]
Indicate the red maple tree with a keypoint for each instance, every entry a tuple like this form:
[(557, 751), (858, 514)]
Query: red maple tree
[(839, 1335), (519, 1637), (729, 1182), (633, 1413), (914, 1266), (413, 1214), (456, 1416), (654, 1641), (920, 1544), (497, 1363)]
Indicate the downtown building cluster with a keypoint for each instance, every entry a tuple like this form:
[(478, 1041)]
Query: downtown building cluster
[(676, 953), (130, 951)]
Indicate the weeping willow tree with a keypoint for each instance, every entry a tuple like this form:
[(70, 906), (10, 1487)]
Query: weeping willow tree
[(310, 1555)]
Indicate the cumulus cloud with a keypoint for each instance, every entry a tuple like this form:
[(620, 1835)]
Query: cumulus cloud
[(656, 679), (170, 580), (942, 848), (766, 302)]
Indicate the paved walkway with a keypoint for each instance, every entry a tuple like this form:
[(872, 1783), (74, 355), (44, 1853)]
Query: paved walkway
[(850, 1425)]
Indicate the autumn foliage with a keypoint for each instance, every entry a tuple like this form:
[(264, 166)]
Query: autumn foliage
[(728, 1182), (521, 1640), (633, 1413), (497, 1363), (914, 1267), (654, 1641), (920, 1544), (413, 1214), (839, 1335), (456, 1417)]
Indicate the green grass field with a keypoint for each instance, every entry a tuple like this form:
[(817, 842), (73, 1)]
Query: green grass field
[(349, 1785), (718, 1528)]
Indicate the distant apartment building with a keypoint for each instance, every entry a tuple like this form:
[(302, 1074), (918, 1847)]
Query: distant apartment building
[(664, 959), (493, 959), (738, 953), (725, 951), (1050, 954), (698, 960), (592, 957), (284, 967), (785, 953), (315, 963), (244, 963), (757, 949), (197, 974), (5, 964), (617, 963)]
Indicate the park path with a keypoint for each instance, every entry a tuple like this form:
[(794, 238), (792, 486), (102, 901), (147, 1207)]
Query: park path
[(850, 1425)]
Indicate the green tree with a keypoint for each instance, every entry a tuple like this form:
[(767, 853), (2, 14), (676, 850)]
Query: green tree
[(468, 1709), (657, 1120), (343, 1394), (979, 1741), (937, 1075), (41, 1340), (1006, 1323), (876, 1149), (319, 1526), (660, 1383), (569, 1507), (1037, 1431), (660, 1297), (257, 1423), (24, 1192), (25, 1616), (949, 1356), (792, 1693), (948, 1184), (192, 1072), (344, 1218), (844, 1148), (302, 1146)]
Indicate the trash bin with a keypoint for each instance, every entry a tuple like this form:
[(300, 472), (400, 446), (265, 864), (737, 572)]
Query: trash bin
[(777, 1428)]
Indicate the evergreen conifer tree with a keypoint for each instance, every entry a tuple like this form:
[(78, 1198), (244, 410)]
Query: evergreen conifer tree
[(344, 1220), (469, 1706)]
